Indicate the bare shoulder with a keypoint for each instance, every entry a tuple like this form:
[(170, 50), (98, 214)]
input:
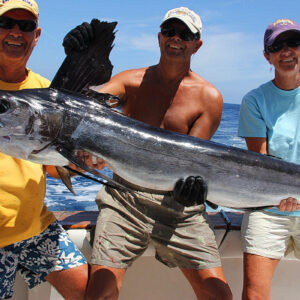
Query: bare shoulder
[(206, 104), (206, 92), (130, 76)]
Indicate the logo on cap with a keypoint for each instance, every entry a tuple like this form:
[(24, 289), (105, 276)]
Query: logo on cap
[(283, 22), (26, 1), (183, 12)]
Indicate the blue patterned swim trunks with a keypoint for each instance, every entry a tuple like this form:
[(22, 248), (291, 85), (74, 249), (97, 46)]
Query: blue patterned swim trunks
[(36, 257)]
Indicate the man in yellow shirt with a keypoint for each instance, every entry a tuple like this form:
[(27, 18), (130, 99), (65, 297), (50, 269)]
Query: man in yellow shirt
[(31, 240)]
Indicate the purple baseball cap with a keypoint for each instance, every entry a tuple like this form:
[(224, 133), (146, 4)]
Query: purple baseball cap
[(278, 27)]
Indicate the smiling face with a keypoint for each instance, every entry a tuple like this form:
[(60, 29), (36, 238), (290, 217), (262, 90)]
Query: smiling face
[(175, 46), (16, 45), (286, 61)]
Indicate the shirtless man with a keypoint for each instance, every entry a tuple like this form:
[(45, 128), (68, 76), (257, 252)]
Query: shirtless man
[(171, 96)]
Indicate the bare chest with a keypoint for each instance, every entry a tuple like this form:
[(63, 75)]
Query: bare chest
[(161, 107)]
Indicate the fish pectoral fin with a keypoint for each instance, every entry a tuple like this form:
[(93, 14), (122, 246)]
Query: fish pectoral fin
[(66, 178)]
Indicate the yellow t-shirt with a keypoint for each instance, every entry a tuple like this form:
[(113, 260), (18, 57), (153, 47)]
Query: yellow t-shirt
[(23, 213)]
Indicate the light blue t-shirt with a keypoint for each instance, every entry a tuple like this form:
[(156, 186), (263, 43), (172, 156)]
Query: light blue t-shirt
[(274, 114)]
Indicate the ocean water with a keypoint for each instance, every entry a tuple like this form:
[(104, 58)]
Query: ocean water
[(58, 197)]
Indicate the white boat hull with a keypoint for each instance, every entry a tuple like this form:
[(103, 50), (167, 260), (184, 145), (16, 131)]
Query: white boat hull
[(148, 279)]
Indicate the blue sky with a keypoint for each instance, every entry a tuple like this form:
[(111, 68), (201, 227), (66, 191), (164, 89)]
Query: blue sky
[(231, 57)]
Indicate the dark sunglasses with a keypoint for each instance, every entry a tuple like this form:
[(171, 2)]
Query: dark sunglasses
[(24, 25), (277, 46), (185, 34)]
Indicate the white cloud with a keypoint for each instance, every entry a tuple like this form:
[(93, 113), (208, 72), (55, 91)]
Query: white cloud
[(233, 56), (145, 42), (233, 62)]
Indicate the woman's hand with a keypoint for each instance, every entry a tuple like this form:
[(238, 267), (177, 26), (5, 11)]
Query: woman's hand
[(289, 204)]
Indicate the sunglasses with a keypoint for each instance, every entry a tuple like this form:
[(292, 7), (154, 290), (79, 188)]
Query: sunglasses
[(185, 34), (277, 46), (24, 25)]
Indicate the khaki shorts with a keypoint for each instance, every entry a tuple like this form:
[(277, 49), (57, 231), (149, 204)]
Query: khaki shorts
[(128, 222), (270, 235)]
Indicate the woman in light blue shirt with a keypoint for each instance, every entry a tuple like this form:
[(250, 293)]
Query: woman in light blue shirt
[(270, 123)]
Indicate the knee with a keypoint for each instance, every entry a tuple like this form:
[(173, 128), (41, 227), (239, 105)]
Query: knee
[(219, 293), (223, 292), (100, 291), (252, 291), (253, 295), (102, 296), (225, 295)]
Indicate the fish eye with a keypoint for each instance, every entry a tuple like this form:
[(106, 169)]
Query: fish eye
[(4, 106)]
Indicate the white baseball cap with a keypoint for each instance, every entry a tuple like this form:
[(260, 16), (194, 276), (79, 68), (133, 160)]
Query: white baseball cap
[(187, 16), (29, 5)]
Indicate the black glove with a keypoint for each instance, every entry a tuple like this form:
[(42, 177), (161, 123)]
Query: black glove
[(78, 39), (191, 191)]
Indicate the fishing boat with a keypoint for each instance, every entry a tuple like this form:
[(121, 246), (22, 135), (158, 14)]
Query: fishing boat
[(148, 279)]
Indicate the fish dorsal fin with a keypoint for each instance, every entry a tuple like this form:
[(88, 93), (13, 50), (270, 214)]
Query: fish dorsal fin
[(89, 67)]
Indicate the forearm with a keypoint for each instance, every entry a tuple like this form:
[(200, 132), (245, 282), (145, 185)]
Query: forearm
[(51, 170)]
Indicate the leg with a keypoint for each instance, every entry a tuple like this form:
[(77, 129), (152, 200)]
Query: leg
[(208, 284), (258, 274), (70, 283), (9, 259), (120, 238), (104, 283), (191, 245), (57, 260), (265, 237)]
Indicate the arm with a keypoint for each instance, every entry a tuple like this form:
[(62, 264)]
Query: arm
[(207, 123), (116, 85), (51, 170), (193, 190), (257, 144)]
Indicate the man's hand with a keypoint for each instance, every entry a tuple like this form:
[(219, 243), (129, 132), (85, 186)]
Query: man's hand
[(288, 205), (88, 159), (78, 39), (191, 191)]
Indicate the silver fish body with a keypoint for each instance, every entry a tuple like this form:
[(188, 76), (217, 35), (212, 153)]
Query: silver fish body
[(33, 123)]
